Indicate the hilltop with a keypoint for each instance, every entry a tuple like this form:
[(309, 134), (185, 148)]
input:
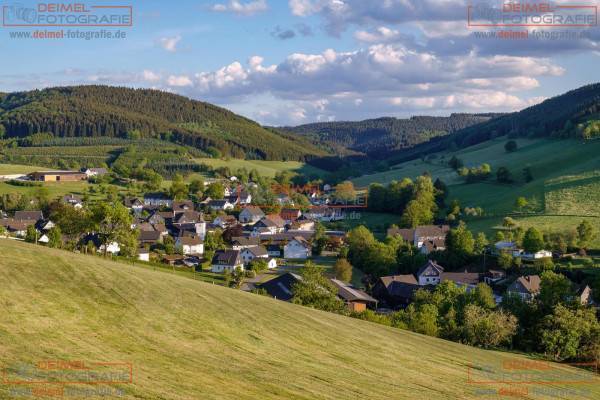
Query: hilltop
[(118, 112), (188, 339)]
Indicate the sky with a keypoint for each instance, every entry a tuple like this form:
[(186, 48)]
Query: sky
[(289, 62)]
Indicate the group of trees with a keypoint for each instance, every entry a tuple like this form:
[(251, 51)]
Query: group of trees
[(416, 201)]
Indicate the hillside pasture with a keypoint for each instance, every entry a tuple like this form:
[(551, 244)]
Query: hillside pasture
[(266, 168), (186, 339)]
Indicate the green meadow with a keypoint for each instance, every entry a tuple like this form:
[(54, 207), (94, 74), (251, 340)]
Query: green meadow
[(187, 339), (565, 187)]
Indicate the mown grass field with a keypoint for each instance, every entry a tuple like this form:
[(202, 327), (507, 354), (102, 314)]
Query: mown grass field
[(566, 184), (266, 168), (13, 169), (191, 340), (55, 189)]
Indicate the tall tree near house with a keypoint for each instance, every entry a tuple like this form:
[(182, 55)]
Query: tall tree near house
[(343, 270), (345, 192), (585, 234), (55, 237), (215, 191), (316, 291), (179, 189), (533, 241), (421, 209), (112, 222)]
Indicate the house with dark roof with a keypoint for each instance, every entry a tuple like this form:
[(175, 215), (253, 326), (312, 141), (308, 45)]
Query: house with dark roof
[(355, 299), (226, 260), (282, 287), (221, 205), (72, 200), (251, 253), (243, 242), (29, 215), (468, 280), (526, 287), (150, 237), (396, 290), (430, 273), (182, 205), (408, 235)]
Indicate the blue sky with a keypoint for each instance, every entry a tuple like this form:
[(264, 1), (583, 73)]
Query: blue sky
[(299, 61)]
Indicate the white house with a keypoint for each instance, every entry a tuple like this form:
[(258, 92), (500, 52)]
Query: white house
[(158, 200), (297, 248), (226, 260), (272, 263), (535, 256), (112, 248), (430, 273), (143, 255), (190, 244), (250, 215), (221, 205), (250, 253)]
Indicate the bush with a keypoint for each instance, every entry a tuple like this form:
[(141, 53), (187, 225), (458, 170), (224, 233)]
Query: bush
[(510, 146)]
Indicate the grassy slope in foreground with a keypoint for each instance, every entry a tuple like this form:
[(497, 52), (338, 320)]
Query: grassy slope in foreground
[(190, 340)]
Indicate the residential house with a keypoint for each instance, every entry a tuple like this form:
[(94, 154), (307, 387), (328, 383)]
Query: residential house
[(584, 295), (224, 221), (221, 205), (158, 199), (271, 223), (182, 205), (95, 172), (251, 215), (112, 248), (433, 233), (355, 299), (396, 290), (274, 250), (534, 256), (174, 259), (28, 216), (494, 276), (241, 198), (468, 280), (226, 260), (190, 244), (408, 235), (289, 215), (150, 237), (306, 225), (73, 200), (526, 287), (430, 246), (143, 255), (252, 253), (282, 287), (430, 273), (243, 242), (134, 204), (297, 248), (57, 176)]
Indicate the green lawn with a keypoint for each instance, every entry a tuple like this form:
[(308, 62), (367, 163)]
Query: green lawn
[(55, 189), (266, 168), (192, 340), (13, 169)]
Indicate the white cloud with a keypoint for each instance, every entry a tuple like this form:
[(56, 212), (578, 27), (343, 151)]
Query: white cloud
[(169, 43), (241, 7), (150, 76), (179, 80)]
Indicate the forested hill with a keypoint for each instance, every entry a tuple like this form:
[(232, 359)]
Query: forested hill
[(376, 137), (575, 114), (95, 111)]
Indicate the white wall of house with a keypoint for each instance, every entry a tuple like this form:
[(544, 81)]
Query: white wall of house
[(144, 257), (295, 250), (220, 268), (193, 249)]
